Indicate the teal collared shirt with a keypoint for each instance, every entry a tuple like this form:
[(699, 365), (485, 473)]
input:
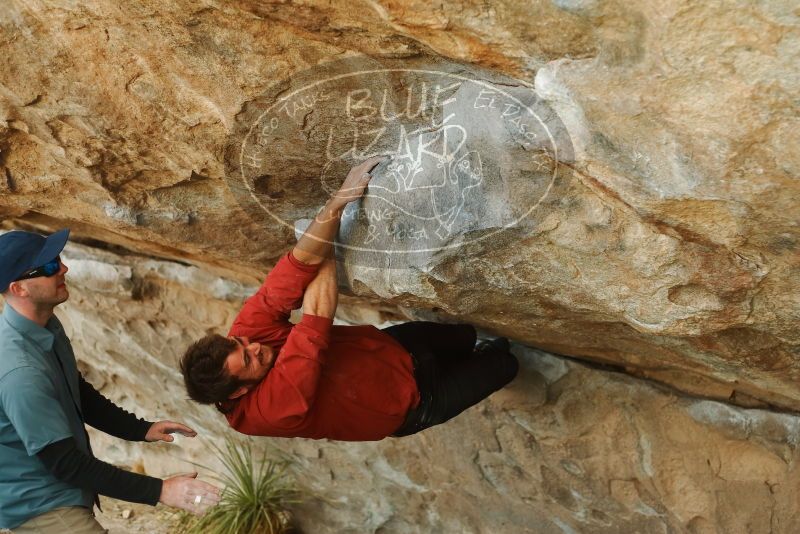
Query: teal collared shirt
[(39, 405)]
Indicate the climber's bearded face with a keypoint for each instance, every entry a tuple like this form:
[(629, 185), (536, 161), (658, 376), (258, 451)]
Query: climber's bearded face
[(250, 363)]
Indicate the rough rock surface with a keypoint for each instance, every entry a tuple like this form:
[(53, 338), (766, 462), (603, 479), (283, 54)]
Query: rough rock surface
[(669, 245), (566, 448)]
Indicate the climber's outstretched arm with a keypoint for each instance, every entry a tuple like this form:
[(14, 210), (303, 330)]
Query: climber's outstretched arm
[(322, 294), (316, 243)]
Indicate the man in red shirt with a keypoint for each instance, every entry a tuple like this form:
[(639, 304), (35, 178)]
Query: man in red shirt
[(352, 383)]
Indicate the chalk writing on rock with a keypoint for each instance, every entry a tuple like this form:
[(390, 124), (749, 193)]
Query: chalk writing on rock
[(469, 155)]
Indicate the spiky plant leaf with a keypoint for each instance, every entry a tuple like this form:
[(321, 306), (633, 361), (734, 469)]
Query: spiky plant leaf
[(255, 497)]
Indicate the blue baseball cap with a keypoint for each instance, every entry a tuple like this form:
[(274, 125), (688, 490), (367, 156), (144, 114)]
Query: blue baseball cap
[(22, 251)]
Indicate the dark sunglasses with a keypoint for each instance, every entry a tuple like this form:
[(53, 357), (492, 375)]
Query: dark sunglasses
[(48, 269)]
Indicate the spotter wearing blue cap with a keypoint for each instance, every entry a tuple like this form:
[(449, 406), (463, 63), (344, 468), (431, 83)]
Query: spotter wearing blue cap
[(22, 251)]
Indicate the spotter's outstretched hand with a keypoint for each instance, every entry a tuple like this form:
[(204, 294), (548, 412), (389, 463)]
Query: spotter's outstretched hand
[(163, 430)]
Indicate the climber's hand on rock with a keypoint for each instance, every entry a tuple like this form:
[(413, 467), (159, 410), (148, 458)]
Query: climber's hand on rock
[(356, 182)]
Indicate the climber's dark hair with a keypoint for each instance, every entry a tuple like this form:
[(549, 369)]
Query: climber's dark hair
[(204, 373)]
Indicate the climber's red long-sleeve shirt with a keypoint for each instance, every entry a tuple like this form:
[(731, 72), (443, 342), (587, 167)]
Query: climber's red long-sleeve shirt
[(352, 383)]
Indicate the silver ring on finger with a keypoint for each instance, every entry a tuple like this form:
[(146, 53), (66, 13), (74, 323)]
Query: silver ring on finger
[(198, 499)]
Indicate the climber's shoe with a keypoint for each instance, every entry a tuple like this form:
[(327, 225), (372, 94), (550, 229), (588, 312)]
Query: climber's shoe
[(494, 346)]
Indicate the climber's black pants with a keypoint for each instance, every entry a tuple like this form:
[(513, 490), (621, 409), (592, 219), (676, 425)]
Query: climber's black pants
[(450, 377)]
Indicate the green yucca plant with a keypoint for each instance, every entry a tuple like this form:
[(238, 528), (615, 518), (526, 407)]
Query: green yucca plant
[(255, 497)]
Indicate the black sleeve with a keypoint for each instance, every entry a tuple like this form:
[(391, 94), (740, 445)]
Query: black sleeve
[(104, 415), (75, 467)]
